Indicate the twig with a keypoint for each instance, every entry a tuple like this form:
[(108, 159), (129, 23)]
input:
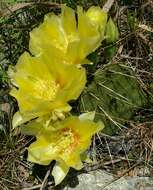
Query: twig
[(25, 5), (19, 6), (128, 57), (108, 5), (100, 165), (44, 183), (109, 152), (36, 186)]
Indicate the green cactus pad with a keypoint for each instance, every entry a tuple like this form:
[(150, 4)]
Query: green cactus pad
[(114, 94)]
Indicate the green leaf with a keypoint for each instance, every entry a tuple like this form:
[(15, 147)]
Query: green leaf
[(112, 34), (110, 52), (132, 20)]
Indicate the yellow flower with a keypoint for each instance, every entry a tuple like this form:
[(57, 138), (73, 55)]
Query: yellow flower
[(44, 85), (64, 141), (71, 40)]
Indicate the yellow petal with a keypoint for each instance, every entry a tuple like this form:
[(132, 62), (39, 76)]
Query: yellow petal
[(46, 85), (64, 140), (69, 41), (87, 116), (91, 27), (19, 119), (69, 23), (37, 152), (98, 16), (49, 32), (59, 172), (85, 25)]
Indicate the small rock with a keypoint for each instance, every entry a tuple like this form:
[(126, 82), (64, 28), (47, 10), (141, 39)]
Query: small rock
[(101, 180)]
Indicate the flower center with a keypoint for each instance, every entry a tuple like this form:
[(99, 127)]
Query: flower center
[(46, 89), (68, 141)]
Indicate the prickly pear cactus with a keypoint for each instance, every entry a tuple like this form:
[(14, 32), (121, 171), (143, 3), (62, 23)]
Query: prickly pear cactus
[(114, 94)]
